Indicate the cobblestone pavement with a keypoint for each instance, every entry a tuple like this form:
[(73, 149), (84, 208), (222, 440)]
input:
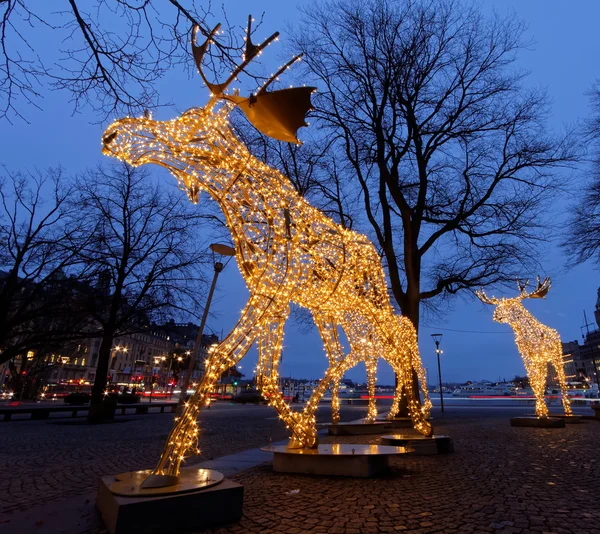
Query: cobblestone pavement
[(43, 461), (500, 479), (509, 480)]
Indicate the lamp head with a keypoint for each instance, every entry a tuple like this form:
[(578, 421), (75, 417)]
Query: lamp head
[(437, 338)]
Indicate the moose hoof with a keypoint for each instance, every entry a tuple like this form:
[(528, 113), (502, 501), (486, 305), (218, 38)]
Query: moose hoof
[(295, 444)]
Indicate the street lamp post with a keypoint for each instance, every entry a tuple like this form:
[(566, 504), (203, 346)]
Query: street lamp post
[(161, 361), (437, 338), (220, 250)]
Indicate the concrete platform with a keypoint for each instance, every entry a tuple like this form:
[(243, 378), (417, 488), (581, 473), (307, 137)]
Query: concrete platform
[(361, 461), (538, 422), (175, 512), (190, 479), (357, 428), (422, 445), (400, 422), (568, 419)]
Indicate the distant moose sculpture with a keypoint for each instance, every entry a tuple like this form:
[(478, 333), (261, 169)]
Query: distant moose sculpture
[(287, 251), (538, 344)]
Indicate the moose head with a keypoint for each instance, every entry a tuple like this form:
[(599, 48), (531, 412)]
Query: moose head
[(200, 143), (509, 310)]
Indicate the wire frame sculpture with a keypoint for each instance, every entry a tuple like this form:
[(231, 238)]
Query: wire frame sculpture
[(538, 344), (287, 251)]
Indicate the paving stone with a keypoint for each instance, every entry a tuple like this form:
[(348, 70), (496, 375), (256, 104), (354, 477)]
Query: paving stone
[(501, 479)]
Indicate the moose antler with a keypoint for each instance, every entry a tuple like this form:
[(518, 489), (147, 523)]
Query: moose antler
[(252, 50), (522, 285), (485, 299), (540, 292), (277, 114)]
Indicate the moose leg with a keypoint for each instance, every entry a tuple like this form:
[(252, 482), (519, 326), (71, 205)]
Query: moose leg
[(335, 400), (184, 435), (420, 424), (426, 407), (335, 388), (304, 432), (557, 362), (397, 398), (537, 381), (403, 356), (337, 365), (371, 364)]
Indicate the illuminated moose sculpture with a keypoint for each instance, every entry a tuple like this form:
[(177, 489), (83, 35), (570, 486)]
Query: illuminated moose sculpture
[(538, 344), (286, 250)]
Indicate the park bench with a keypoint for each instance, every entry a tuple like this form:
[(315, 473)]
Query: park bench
[(43, 412)]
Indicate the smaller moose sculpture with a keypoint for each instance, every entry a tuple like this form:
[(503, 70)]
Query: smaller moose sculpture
[(538, 344)]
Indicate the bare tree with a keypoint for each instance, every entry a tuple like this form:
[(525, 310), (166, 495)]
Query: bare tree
[(582, 240), (110, 55), (450, 152), (312, 170), (145, 253), (39, 247)]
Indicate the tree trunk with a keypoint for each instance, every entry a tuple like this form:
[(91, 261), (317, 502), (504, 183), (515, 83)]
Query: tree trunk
[(410, 309), (101, 406)]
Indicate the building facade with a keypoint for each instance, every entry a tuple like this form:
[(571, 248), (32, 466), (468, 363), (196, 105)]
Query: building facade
[(158, 355), (582, 361)]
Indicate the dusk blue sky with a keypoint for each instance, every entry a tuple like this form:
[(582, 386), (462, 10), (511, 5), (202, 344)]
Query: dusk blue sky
[(564, 60)]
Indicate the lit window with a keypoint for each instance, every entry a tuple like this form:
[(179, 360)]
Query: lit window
[(30, 355), (82, 362)]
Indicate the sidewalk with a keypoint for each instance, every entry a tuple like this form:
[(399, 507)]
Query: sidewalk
[(500, 479), (78, 515)]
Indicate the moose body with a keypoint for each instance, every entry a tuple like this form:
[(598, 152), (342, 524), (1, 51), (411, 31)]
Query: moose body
[(287, 251), (538, 344)]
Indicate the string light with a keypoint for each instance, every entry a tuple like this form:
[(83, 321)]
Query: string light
[(287, 251), (538, 344)]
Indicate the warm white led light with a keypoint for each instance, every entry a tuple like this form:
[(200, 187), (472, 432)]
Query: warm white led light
[(538, 344), (287, 251)]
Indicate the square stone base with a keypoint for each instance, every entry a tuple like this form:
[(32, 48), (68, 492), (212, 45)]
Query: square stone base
[(170, 513)]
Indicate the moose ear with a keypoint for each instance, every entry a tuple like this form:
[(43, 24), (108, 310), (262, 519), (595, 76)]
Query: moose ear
[(277, 114)]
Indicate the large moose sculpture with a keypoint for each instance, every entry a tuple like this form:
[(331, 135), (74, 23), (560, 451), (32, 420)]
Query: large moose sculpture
[(287, 251), (538, 344)]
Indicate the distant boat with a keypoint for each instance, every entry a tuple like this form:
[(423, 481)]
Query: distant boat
[(576, 389), (487, 389)]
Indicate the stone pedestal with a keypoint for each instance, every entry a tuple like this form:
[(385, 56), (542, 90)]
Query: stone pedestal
[(400, 422), (356, 429), (361, 461), (422, 445), (169, 512), (568, 419), (538, 422)]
